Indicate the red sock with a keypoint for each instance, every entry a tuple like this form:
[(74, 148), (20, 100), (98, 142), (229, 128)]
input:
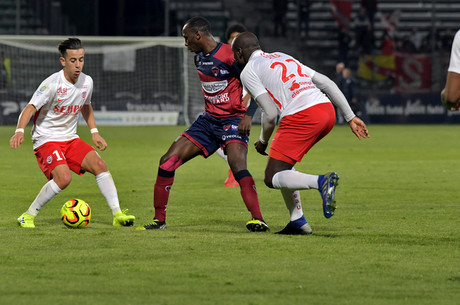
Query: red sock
[(161, 195), (249, 194), (165, 180)]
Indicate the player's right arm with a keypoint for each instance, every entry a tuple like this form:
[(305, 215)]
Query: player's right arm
[(450, 95), (24, 118), (42, 95), (268, 121), (254, 86)]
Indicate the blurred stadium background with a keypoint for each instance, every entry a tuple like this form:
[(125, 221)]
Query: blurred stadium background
[(144, 75)]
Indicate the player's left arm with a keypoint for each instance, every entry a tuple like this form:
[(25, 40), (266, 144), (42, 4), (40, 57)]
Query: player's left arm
[(88, 115), (326, 85), (245, 124), (450, 95)]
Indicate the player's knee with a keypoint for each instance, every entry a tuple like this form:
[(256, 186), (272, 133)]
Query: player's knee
[(63, 179), (163, 159), (268, 181), (170, 163), (100, 165)]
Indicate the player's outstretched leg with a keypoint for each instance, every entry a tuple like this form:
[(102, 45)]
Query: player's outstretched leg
[(121, 219), (326, 186), (109, 191), (48, 191), (163, 185), (26, 221), (251, 200)]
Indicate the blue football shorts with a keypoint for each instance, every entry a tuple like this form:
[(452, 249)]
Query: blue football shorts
[(210, 133)]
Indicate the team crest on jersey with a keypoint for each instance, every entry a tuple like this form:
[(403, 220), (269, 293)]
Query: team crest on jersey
[(49, 159), (295, 86), (233, 127), (215, 70)]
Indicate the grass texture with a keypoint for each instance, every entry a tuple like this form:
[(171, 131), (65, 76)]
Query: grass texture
[(394, 239)]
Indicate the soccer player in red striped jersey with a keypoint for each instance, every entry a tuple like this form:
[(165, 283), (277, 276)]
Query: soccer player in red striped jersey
[(216, 127)]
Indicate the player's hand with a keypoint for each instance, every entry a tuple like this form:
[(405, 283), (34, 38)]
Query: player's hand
[(359, 128), (16, 140), (99, 141), (245, 125), (449, 106), (261, 148), (456, 107)]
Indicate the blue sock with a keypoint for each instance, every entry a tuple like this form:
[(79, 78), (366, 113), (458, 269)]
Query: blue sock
[(320, 181), (299, 222)]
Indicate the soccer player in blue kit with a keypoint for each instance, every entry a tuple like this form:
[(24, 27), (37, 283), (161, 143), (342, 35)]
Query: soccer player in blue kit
[(216, 127)]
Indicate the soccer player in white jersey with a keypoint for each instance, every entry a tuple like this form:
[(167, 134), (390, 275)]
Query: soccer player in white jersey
[(282, 85), (56, 106), (450, 95)]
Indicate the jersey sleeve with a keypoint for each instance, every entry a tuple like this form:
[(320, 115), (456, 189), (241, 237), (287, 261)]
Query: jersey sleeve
[(90, 91), (252, 82), (454, 65), (44, 93)]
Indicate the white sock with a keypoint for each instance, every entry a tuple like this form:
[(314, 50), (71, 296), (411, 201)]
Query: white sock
[(48, 191), (293, 204), (294, 180), (109, 191), (221, 153)]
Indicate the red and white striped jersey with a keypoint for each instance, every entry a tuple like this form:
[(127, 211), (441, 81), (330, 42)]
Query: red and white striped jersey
[(219, 76)]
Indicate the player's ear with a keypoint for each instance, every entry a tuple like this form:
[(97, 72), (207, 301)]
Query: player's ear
[(239, 53), (62, 60)]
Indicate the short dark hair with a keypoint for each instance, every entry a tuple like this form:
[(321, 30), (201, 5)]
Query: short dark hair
[(199, 24), (236, 27), (69, 44)]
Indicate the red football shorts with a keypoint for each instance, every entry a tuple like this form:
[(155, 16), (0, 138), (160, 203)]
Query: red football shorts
[(52, 154), (298, 132)]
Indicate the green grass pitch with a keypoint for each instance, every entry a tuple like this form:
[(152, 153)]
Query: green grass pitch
[(394, 239)]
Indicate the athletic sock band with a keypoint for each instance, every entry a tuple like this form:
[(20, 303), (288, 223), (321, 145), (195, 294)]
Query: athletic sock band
[(241, 174)]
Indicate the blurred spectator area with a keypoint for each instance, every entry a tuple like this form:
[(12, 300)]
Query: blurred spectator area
[(19, 17), (439, 15), (313, 41)]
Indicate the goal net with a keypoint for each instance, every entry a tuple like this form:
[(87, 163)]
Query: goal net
[(137, 80)]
